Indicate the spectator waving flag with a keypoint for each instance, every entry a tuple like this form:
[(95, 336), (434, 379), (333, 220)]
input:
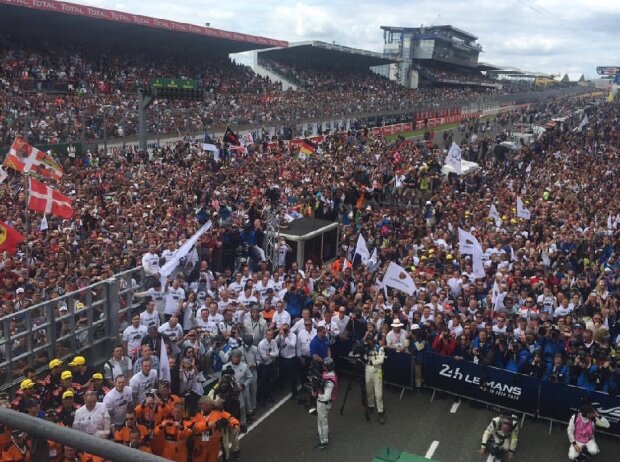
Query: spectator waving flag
[(362, 249), (231, 138), (453, 159), (398, 278), (25, 158), (164, 364), (308, 147), (3, 174), (208, 144), (9, 238), (494, 215), (42, 198), (522, 212)]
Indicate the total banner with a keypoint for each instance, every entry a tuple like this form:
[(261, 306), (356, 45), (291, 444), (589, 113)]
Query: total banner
[(481, 383), (558, 402)]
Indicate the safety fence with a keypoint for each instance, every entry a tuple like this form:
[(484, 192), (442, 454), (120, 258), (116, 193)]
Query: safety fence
[(489, 385), (81, 321)]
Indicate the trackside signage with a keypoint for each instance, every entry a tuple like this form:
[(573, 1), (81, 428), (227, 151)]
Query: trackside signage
[(481, 383)]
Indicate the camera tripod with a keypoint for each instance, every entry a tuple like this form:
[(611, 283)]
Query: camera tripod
[(362, 383)]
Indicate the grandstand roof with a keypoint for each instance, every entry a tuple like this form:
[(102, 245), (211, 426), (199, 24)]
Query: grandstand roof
[(51, 18), (322, 53), (451, 30)]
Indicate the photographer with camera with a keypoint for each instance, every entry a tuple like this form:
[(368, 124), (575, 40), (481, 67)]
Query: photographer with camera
[(557, 372), (374, 356), (243, 378), (580, 432), (324, 398), (211, 424), (500, 438)]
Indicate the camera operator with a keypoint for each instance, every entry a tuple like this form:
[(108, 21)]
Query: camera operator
[(324, 398), (557, 372), (583, 371), (373, 357), (580, 432), (243, 378), (610, 376), (500, 438)]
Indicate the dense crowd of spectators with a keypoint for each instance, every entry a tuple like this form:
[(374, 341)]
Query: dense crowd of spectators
[(546, 307), (71, 95)]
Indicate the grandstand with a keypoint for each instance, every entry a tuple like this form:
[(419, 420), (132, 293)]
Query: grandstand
[(434, 56)]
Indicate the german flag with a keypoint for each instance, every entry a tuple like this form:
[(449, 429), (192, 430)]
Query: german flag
[(308, 147), (231, 137)]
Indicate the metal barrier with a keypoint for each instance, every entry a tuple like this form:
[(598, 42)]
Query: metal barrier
[(44, 430), (94, 314)]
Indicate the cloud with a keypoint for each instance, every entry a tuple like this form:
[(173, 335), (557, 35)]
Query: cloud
[(538, 35)]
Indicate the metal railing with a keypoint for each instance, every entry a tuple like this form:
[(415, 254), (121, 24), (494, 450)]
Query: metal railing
[(94, 314)]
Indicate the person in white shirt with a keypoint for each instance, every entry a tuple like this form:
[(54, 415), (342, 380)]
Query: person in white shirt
[(282, 248), (133, 335), (168, 254), (299, 325), (262, 286), (150, 262), (174, 297), (246, 298), (173, 330), (157, 296), (118, 364), (92, 418), (224, 301), (331, 327), (342, 320), (396, 339), (142, 382), (150, 317), (287, 362), (280, 316), (118, 400), (500, 325), (206, 323), (267, 353), (237, 284), (563, 309)]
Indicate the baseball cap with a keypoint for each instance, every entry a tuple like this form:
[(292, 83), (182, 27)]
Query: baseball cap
[(78, 361), (67, 394), (97, 376), (66, 375), (18, 434), (20, 290), (55, 363), (26, 384)]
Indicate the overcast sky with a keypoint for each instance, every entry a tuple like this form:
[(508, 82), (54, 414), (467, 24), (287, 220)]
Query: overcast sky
[(536, 35)]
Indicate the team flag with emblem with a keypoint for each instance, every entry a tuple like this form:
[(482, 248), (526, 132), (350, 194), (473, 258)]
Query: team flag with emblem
[(42, 198), (522, 212), (454, 160), (25, 158), (397, 278), (9, 238)]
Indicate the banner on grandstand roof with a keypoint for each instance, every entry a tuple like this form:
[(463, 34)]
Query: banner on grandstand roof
[(481, 383), (127, 18), (559, 402)]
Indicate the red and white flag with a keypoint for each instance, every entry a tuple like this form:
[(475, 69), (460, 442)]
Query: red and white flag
[(25, 158), (44, 199)]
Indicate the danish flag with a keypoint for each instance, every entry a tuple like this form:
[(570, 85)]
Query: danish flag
[(44, 199), (25, 158)]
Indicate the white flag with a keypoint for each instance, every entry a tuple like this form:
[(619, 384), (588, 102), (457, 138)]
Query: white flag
[(210, 147), (453, 159), (44, 226), (3, 174), (171, 265), (494, 214), (398, 278), (583, 123), (528, 170), (164, 365), (362, 249), (610, 224), (477, 265), (373, 262), (522, 212), (467, 241)]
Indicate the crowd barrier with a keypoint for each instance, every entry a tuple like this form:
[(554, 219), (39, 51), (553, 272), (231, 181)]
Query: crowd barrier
[(516, 392)]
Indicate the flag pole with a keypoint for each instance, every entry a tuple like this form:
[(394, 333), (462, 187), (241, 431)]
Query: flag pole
[(27, 251)]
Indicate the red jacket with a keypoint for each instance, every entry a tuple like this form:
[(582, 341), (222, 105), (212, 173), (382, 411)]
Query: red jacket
[(444, 347)]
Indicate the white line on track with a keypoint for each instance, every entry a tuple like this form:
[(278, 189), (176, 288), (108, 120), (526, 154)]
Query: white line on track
[(455, 407), (267, 414), (431, 451)]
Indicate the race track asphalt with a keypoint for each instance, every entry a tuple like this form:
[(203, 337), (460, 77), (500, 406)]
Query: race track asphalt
[(412, 425)]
